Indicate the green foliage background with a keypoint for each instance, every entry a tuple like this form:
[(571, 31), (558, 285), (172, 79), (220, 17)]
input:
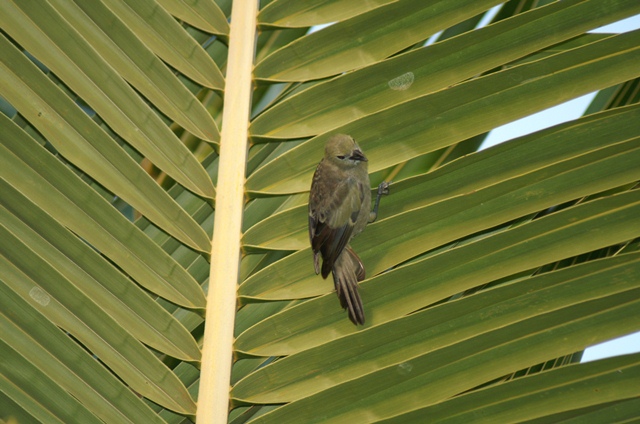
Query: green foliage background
[(486, 270)]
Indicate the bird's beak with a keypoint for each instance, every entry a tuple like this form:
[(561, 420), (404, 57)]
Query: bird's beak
[(358, 155)]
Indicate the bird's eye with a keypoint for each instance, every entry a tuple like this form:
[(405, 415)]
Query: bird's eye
[(341, 157)]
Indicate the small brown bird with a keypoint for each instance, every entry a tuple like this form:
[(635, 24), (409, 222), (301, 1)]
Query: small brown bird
[(339, 209)]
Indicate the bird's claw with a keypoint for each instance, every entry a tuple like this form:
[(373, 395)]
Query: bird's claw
[(383, 188)]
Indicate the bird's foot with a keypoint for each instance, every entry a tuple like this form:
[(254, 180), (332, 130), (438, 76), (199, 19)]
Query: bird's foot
[(383, 190)]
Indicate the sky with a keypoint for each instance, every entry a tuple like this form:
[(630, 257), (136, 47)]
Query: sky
[(553, 116)]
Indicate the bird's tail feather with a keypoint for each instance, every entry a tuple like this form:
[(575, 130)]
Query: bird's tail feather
[(347, 271), (359, 266)]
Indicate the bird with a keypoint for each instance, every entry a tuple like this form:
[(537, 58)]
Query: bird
[(339, 209)]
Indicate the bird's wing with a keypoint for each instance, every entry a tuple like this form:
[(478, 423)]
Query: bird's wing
[(332, 216)]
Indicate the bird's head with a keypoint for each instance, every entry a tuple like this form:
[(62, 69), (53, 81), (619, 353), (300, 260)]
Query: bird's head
[(342, 150)]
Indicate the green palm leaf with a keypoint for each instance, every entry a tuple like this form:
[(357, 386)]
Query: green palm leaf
[(481, 267)]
